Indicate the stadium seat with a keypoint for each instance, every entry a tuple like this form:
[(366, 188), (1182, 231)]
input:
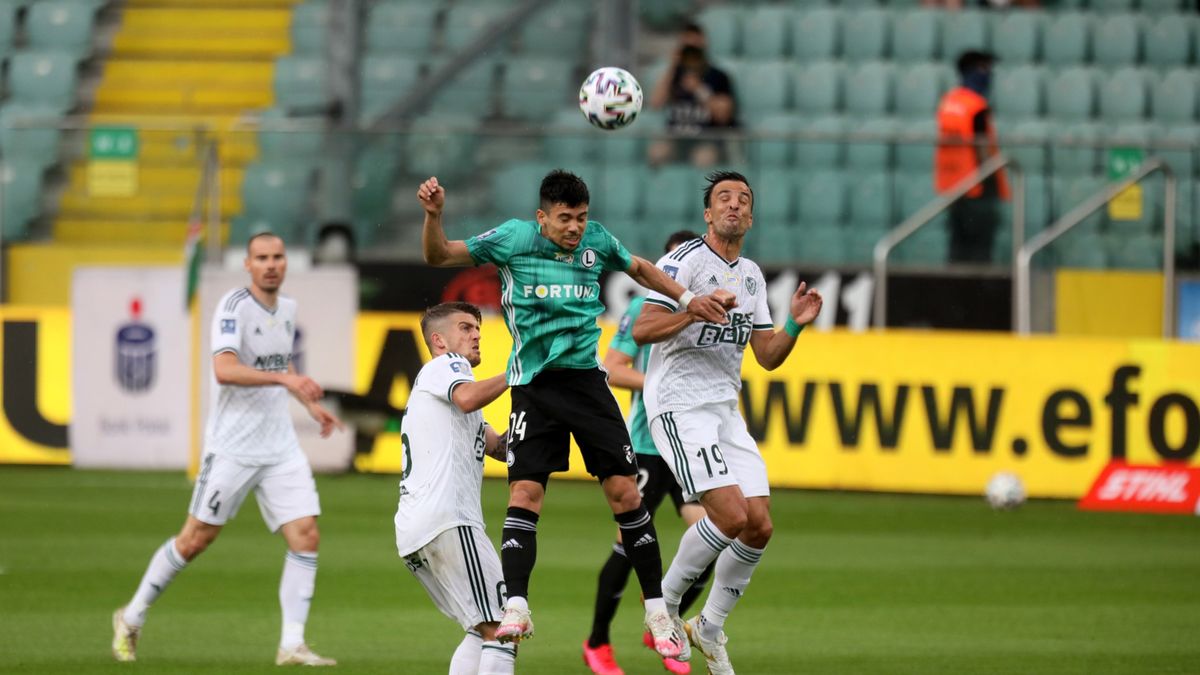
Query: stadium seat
[(1065, 39), (1111, 5), (1159, 6), (1115, 40), (278, 143), (29, 134), (914, 151), (301, 82), (815, 34), (467, 22), (21, 192), (671, 192), (1138, 252), (1017, 91), (371, 189), (1017, 37), (444, 144), (1168, 40), (310, 27), (1071, 94), (773, 151), (865, 34), (277, 194), (860, 243), (1123, 95), (722, 30), (1181, 156), (868, 88), (1073, 148), (61, 25), (916, 35), (918, 89), (765, 32), (385, 80), (817, 87), (1081, 250), (1133, 134), (1174, 97), (620, 190), (401, 27), (871, 199), (8, 28), (469, 92), (822, 199), (1037, 216), (816, 154), (763, 87), (962, 31), (560, 29), (44, 79), (1070, 192), (512, 185), (774, 197), (872, 154), (773, 242), (535, 88), (1025, 142)]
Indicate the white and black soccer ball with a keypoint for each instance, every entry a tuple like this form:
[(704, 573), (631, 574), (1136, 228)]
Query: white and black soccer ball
[(1005, 491), (610, 98)]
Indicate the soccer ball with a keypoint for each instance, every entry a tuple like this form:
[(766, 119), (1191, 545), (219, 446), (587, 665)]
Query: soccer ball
[(610, 98), (1005, 491)]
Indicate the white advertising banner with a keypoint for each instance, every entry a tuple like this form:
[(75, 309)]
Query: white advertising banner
[(131, 380), (327, 300)]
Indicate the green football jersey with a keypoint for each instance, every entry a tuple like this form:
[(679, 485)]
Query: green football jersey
[(639, 427), (550, 296)]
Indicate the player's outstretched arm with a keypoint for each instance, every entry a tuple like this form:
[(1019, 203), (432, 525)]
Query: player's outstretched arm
[(704, 307), (771, 348), (230, 371), (439, 251), (657, 323), (621, 372), (471, 396)]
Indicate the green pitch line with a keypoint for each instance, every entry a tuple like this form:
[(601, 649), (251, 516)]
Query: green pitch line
[(852, 583)]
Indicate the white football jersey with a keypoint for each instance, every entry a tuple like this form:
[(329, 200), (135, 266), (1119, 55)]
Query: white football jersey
[(703, 363), (252, 424), (443, 457)]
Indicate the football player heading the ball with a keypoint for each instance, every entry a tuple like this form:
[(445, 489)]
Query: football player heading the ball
[(550, 269)]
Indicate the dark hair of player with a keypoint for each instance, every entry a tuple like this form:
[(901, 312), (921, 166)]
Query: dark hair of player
[(563, 187), (719, 176), (435, 314), (677, 239), (261, 235)]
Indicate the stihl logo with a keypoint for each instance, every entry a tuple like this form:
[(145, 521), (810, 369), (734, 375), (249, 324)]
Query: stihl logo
[(1146, 485), (1157, 489)]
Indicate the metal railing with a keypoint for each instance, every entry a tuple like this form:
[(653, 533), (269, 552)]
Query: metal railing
[(928, 212), (1023, 258)]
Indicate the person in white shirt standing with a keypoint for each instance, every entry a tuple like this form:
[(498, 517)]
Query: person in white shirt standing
[(691, 394), (250, 444), (439, 521)]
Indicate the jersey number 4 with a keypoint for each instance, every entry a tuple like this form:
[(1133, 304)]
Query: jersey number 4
[(516, 427)]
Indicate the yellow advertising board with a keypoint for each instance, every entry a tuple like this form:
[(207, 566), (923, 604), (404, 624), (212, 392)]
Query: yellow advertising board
[(909, 411), (35, 385)]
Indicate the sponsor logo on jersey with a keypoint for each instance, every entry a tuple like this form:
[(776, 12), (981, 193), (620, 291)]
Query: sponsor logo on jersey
[(487, 234), (712, 281), (257, 330), (273, 362), (671, 270), (554, 291), (588, 258), (737, 331), (228, 326)]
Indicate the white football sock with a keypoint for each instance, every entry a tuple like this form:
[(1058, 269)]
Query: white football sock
[(466, 658), (295, 595), (164, 565), (701, 543), (732, 575), (497, 659)]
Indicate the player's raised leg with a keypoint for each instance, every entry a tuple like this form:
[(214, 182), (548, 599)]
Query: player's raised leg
[(518, 554)]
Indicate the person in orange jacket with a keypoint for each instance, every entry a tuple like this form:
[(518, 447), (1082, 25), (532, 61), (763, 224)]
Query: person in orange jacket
[(967, 138)]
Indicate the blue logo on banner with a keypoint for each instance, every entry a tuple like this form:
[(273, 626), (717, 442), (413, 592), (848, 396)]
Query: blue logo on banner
[(135, 353)]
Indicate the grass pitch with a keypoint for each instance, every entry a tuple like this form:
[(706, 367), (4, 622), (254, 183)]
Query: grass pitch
[(851, 583)]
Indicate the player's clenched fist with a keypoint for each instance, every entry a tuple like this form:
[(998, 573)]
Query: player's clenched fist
[(432, 196)]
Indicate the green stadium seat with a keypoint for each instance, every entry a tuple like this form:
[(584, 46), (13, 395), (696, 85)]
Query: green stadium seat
[(819, 243), (8, 28), (817, 87), (765, 32), (444, 144), (514, 190), (774, 197), (1065, 39), (1073, 147), (1025, 142), (1070, 192), (310, 27), (1187, 204), (466, 23), (535, 88), (872, 154), (822, 199), (1116, 39), (371, 184), (1017, 91), (572, 139), (914, 152), (469, 92), (774, 152), (43, 79), (762, 87), (1037, 216), (816, 154), (1135, 134), (1017, 37), (860, 243), (772, 242), (1081, 250), (865, 34), (385, 80), (618, 193), (1160, 6), (722, 30), (301, 82), (868, 88), (1138, 252), (278, 142), (1174, 96), (918, 89), (929, 245), (1123, 95), (276, 194), (21, 188), (962, 31), (871, 200), (61, 25), (1185, 139), (671, 192), (401, 27), (815, 33), (1111, 5), (558, 29), (29, 134), (916, 35), (1071, 94), (1168, 40)]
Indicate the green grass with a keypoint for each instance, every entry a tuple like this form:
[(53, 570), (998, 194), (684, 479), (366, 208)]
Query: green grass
[(852, 583)]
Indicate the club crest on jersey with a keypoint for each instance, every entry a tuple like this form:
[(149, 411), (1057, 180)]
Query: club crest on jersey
[(228, 326), (751, 285), (588, 258), (511, 458)]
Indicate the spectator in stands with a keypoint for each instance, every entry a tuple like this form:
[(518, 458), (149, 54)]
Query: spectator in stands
[(335, 245), (699, 97), (967, 139)]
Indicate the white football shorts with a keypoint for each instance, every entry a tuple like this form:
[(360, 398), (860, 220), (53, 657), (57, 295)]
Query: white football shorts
[(461, 572), (708, 447), (284, 491)]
